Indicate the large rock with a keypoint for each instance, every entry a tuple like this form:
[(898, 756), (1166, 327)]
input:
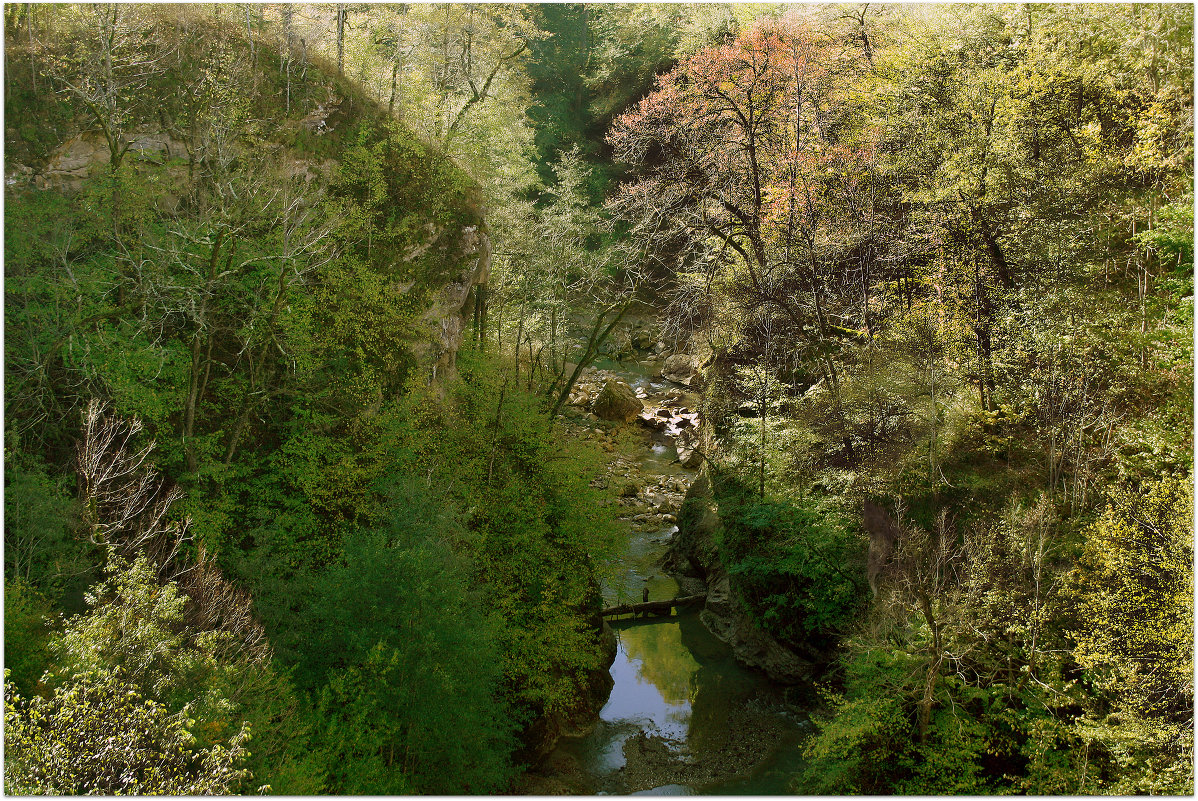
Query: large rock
[(687, 444), (79, 156), (694, 556), (441, 327), (754, 648), (690, 457), (681, 369), (617, 402)]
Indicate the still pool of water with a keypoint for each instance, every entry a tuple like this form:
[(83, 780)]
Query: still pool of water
[(685, 718)]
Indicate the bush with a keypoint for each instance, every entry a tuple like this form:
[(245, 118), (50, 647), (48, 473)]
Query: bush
[(799, 571), (26, 633), (97, 734), (404, 661), (1133, 590)]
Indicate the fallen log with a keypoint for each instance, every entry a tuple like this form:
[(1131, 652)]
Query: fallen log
[(652, 607)]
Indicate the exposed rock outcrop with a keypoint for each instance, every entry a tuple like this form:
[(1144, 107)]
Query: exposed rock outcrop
[(755, 648), (694, 561), (466, 249), (617, 401), (687, 443), (81, 155), (576, 721), (681, 369), (440, 328)]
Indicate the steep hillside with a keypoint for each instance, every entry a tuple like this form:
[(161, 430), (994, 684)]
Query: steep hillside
[(163, 106), (216, 205), (262, 275)]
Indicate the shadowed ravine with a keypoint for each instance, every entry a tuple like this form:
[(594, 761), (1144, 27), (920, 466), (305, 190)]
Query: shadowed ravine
[(683, 717)]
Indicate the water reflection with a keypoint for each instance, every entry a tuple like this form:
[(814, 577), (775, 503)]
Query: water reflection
[(657, 680), (640, 566), (713, 726), (682, 716)]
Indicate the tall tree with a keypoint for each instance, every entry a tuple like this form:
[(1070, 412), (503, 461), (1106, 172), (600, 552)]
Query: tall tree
[(750, 167)]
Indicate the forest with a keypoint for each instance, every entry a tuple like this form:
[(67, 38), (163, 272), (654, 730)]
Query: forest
[(360, 359)]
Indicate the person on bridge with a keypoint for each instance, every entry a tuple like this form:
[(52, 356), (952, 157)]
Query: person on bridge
[(645, 592)]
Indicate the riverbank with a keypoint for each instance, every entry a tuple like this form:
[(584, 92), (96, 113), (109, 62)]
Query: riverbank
[(683, 716)]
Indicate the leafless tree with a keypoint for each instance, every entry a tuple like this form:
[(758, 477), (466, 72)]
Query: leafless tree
[(126, 506), (215, 604), (125, 502)]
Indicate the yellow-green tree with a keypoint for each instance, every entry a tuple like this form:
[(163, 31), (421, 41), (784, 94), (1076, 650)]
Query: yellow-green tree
[(1134, 591)]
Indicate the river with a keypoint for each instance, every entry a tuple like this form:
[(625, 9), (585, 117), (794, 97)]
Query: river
[(683, 717)]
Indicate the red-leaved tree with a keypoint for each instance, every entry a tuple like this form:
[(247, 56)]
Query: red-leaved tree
[(753, 166)]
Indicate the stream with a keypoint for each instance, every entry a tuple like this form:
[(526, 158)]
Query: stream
[(683, 718)]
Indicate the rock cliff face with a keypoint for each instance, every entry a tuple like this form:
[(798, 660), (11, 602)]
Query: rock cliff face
[(441, 328), (81, 155)]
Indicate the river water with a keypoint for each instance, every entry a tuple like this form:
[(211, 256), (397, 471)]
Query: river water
[(683, 717)]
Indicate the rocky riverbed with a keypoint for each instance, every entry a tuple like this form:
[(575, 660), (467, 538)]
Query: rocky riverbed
[(683, 716), (649, 424)]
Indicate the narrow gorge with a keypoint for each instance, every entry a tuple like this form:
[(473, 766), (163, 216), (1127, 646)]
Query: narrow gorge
[(634, 398)]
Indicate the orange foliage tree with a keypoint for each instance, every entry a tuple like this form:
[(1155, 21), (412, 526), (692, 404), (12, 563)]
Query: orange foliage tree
[(754, 164)]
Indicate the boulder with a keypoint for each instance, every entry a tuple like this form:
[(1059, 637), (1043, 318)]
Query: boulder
[(664, 505), (688, 454), (690, 458), (681, 369), (617, 401), (582, 394)]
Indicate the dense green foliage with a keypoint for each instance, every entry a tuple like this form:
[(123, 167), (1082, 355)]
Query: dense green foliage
[(942, 261), (403, 659), (798, 569), (345, 262), (242, 262)]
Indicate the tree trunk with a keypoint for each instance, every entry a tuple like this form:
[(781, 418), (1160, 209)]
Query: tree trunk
[(651, 607), (594, 342), (288, 43), (341, 38), (29, 30), (394, 83)]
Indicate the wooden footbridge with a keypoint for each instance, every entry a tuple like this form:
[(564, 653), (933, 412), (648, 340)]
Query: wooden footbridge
[(655, 608)]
